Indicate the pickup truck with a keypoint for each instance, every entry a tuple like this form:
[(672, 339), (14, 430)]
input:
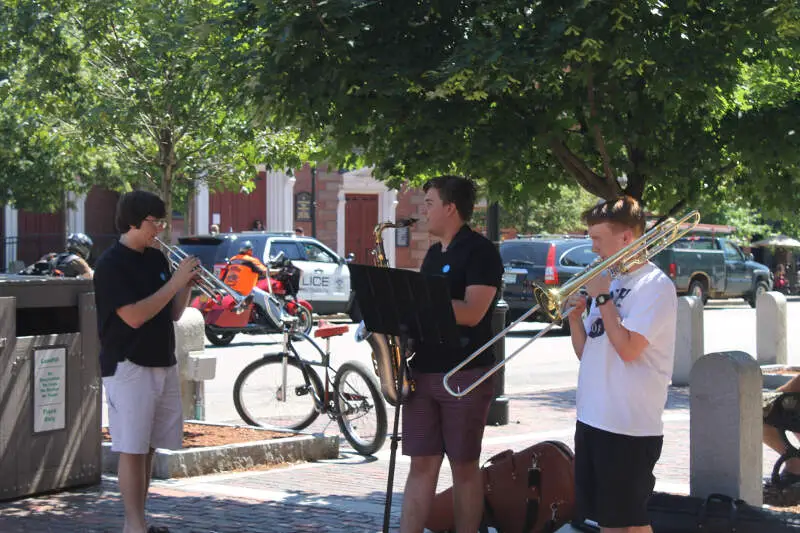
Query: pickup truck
[(713, 267)]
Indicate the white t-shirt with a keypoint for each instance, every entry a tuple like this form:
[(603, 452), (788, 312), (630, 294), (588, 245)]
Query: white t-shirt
[(628, 398)]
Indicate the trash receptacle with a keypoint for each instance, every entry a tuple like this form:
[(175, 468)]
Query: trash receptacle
[(50, 387)]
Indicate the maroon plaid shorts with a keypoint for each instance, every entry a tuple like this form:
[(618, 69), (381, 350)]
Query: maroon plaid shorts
[(435, 422)]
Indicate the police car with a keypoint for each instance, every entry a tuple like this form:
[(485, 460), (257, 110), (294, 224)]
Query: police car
[(325, 281)]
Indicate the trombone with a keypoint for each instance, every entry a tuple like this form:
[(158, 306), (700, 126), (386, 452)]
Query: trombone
[(551, 302), (210, 285)]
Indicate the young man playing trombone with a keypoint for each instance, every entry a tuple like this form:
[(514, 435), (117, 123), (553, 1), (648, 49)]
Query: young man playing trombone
[(138, 298), (626, 348)]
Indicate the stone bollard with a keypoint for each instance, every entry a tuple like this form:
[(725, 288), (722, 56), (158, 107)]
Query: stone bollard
[(771, 326), (194, 364), (688, 338), (726, 427)]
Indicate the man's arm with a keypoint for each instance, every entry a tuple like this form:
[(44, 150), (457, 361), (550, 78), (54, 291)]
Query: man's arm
[(628, 344), (578, 335), (477, 299), (137, 313)]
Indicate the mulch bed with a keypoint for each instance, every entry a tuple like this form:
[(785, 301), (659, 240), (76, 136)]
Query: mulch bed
[(787, 499), (783, 371), (201, 435)]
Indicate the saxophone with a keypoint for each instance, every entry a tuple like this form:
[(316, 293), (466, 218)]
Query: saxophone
[(386, 356)]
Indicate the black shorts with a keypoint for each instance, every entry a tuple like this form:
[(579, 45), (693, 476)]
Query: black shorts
[(614, 476)]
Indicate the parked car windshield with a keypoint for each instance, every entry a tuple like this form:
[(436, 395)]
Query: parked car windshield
[(524, 252), (580, 256), (204, 248)]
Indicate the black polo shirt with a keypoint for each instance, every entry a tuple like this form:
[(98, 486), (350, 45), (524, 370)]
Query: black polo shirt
[(470, 259), (123, 276)]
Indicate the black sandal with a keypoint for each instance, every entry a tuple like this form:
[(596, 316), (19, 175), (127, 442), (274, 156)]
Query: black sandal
[(157, 529)]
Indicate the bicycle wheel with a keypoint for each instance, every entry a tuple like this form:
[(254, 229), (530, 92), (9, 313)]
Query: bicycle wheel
[(362, 412), (258, 393)]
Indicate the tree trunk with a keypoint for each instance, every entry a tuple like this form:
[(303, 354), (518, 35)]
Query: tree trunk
[(189, 221), (166, 195), (601, 186), (167, 160)]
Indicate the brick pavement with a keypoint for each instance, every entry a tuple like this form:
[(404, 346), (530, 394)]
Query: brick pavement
[(342, 495)]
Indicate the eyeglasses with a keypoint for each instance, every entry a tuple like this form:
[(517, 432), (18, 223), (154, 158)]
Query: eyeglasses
[(157, 222)]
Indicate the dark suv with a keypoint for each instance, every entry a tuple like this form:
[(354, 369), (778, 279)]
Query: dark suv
[(548, 261)]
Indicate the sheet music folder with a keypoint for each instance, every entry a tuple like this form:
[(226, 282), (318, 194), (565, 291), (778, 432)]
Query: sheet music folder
[(396, 302)]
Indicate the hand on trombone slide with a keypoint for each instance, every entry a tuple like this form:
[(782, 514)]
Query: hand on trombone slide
[(577, 302)]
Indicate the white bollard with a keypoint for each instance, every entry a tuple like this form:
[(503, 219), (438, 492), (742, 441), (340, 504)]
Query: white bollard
[(771, 327), (726, 427), (688, 338), (195, 365)]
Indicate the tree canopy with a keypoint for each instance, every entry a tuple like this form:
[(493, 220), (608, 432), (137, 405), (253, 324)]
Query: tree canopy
[(525, 94), (127, 94)]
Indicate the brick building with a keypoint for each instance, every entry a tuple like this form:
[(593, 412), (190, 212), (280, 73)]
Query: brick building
[(340, 208)]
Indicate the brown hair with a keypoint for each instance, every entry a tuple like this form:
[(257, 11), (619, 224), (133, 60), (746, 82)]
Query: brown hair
[(625, 211)]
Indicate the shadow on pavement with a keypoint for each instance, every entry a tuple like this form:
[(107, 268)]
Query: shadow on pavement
[(99, 509)]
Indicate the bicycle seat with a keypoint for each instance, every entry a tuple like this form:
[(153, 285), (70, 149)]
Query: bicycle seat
[(326, 330)]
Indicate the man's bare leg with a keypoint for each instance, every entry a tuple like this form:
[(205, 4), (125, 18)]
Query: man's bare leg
[(133, 486), (467, 495), (772, 437), (419, 492)]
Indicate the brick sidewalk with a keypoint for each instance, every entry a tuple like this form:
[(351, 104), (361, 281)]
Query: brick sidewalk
[(342, 495)]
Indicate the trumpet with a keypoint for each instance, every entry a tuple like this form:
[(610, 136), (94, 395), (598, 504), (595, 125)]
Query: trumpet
[(210, 285), (551, 302)]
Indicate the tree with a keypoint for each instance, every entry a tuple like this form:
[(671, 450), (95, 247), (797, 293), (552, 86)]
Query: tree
[(144, 84), (521, 94), (558, 212), (40, 154)]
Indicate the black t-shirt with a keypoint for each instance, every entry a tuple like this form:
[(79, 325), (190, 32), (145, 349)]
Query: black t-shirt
[(123, 276), (470, 259)]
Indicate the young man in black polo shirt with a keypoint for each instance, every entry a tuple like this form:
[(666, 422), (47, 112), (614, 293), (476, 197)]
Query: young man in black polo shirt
[(137, 301), (434, 422)]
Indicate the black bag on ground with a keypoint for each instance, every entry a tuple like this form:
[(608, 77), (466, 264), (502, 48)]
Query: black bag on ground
[(672, 513)]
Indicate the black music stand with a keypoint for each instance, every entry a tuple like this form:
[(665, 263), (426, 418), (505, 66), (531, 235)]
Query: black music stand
[(409, 305)]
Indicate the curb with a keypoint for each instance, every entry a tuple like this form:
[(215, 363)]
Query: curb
[(168, 464)]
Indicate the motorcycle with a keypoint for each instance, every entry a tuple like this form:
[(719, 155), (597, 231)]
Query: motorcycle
[(271, 298)]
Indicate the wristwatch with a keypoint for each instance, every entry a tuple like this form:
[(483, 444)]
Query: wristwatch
[(602, 298)]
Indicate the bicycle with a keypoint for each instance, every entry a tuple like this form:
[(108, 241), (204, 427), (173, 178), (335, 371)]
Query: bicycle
[(283, 390)]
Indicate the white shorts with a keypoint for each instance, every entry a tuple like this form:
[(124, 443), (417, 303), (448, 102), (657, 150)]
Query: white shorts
[(144, 408)]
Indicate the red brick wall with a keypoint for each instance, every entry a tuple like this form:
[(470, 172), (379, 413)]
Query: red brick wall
[(410, 204), (329, 181)]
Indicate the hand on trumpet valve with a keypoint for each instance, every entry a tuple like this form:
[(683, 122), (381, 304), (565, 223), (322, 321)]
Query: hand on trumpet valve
[(600, 284), (188, 268)]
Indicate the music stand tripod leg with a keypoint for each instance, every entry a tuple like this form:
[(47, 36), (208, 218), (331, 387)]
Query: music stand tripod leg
[(387, 511)]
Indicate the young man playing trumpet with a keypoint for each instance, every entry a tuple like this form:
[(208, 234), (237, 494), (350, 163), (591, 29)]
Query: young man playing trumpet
[(138, 298), (626, 348)]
